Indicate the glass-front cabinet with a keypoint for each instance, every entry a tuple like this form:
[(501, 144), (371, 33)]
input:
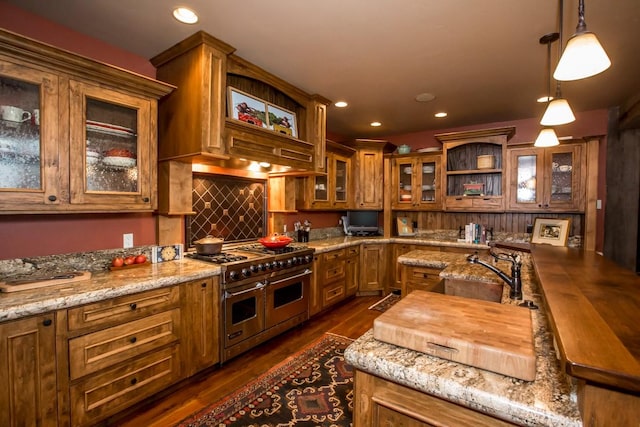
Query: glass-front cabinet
[(546, 179), (416, 182), (75, 135)]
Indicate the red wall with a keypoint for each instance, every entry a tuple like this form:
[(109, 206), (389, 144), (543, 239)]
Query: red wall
[(37, 235)]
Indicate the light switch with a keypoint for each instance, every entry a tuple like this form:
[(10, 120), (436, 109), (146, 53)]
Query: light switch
[(598, 204), (127, 240)]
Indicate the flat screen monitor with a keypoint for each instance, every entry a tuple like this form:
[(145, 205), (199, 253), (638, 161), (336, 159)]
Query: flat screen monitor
[(363, 222)]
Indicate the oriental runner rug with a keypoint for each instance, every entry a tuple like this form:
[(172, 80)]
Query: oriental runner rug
[(313, 387), (386, 302)]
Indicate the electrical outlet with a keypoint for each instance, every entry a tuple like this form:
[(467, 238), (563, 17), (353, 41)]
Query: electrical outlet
[(127, 240)]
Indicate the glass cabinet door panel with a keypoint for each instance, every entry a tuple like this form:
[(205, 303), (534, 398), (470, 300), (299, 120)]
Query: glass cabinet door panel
[(321, 185), (111, 150), (341, 180), (561, 177), (405, 180), (527, 179), (428, 189)]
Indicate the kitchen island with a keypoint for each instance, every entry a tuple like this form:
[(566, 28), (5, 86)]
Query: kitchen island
[(549, 400)]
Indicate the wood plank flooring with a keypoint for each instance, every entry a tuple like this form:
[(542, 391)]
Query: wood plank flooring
[(350, 319)]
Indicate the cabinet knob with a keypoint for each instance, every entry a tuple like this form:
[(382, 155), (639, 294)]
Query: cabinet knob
[(47, 322), (52, 198), (145, 199), (134, 381), (133, 340), (203, 284), (133, 306)]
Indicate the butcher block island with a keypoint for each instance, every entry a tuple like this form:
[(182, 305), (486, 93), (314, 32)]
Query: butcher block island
[(483, 334)]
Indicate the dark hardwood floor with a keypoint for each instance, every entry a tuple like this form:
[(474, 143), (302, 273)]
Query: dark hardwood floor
[(350, 319)]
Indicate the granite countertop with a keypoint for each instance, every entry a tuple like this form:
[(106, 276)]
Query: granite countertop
[(549, 400), (103, 285), (333, 243)]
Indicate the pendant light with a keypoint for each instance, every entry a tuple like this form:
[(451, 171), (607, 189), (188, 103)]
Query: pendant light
[(584, 56), (547, 136)]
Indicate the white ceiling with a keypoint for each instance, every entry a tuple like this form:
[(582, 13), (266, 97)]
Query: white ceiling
[(482, 59)]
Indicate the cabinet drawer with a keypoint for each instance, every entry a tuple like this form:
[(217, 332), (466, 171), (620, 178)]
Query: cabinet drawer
[(421, 275), (99, 396), (334, 255), (102, 349), (332, 294), (353, 251), (487, 202), (123, 309), (458, 202), (333, 271), (437, 287)]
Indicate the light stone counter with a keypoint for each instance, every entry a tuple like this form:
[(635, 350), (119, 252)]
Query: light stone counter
[(101, 286), (330, 244), (550, 400)]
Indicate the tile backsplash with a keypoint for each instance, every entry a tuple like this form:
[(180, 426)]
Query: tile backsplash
[(229, 207)]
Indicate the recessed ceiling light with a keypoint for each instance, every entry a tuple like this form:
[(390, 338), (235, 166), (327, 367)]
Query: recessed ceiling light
[(425, 97), (341, 104), (545, 99), (185, 15), (440, 115), (376, 124), (265, 164)]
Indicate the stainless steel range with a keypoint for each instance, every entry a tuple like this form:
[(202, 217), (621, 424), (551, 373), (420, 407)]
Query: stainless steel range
[(264, 293)]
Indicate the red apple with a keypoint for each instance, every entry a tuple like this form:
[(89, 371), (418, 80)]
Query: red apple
[(129, 260), (141, 259), (117, 262)]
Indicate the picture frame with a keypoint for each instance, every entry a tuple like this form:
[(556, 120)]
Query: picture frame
[(551, 231), (281, 120), (405, 226), (247, 108)]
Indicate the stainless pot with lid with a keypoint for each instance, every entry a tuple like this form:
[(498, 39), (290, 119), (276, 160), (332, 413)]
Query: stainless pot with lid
[(208, 245)]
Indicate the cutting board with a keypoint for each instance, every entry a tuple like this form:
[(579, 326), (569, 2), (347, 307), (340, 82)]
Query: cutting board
[(483, 334), (42, 281)]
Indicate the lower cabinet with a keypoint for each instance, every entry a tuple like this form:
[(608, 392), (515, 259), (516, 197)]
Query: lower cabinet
[(373, 270), (336, 277), (121, 351), (200, 309), (421, 278), (381, 403), (28, 372), (352, 270)]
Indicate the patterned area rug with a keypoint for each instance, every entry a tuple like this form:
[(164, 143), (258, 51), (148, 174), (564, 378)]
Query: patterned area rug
[(314, 387), (386, 302)]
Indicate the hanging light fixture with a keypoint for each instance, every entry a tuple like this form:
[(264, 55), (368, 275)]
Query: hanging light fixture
[(584, 56), (546, 138), (558, 111)]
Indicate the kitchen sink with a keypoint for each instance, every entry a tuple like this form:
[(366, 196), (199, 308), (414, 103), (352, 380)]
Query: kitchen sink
[(474, 289)]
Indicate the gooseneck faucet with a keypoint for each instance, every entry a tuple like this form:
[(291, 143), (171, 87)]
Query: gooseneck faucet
[(514, 282)]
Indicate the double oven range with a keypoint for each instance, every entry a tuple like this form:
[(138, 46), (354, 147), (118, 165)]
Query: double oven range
[(264, 293)]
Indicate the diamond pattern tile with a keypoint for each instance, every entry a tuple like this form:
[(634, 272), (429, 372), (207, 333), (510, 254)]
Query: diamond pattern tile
[(237, 208)]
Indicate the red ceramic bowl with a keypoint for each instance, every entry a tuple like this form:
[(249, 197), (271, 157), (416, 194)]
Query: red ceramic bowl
[(275, 242)]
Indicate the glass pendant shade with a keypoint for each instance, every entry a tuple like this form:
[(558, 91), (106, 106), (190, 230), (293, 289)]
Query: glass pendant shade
[(583, 57), (546, 138), (558, 112)]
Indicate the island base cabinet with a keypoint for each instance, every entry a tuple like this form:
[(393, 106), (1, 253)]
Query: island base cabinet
[(27, 373), (602, 407), (113, 390), (382, 403)]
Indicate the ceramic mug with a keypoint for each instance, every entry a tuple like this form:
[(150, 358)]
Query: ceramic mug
[(14, 114), (35, 118)]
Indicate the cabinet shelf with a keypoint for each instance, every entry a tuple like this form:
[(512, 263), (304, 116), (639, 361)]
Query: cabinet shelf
[(474, 171)]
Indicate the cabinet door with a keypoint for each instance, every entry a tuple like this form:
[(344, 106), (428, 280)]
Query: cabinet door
[(428, 189), (200, 308), (340, 181), (112, 148), (352, 270), (369, 186), (315, 293), (27, 372), (373, 275), (399, 249), (403, 182), (564, 187), (526, 180), (29, 153)]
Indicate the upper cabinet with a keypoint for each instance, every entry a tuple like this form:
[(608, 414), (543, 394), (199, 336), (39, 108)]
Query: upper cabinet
[(416, 182), (368, 173), (227, 109), (330, 190), (475, 174), (75, 135), (547, 179)]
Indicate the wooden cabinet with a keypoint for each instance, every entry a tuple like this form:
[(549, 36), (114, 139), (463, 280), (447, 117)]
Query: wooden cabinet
[(475, 169), (121, 351), (335, 277), (28, 372), (200, 310), (547, 179), (416, 182), (416, 277), (84, 134), (373, 271), (201, 121), (352, 270), (330, 190), (381, 403), (368, 172)]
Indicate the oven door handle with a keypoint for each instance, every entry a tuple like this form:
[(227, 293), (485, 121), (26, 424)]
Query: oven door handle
[(258, 285), (290, 278)]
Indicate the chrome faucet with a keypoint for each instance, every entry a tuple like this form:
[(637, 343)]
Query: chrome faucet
[(514, 282)]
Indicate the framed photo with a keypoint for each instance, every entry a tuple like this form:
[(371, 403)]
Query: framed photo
[(405, 227), (247, 108), (551, 231), (282, 121)]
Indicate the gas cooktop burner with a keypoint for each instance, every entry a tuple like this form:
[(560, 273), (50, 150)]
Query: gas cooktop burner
[(221, 258), (258, 248)]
